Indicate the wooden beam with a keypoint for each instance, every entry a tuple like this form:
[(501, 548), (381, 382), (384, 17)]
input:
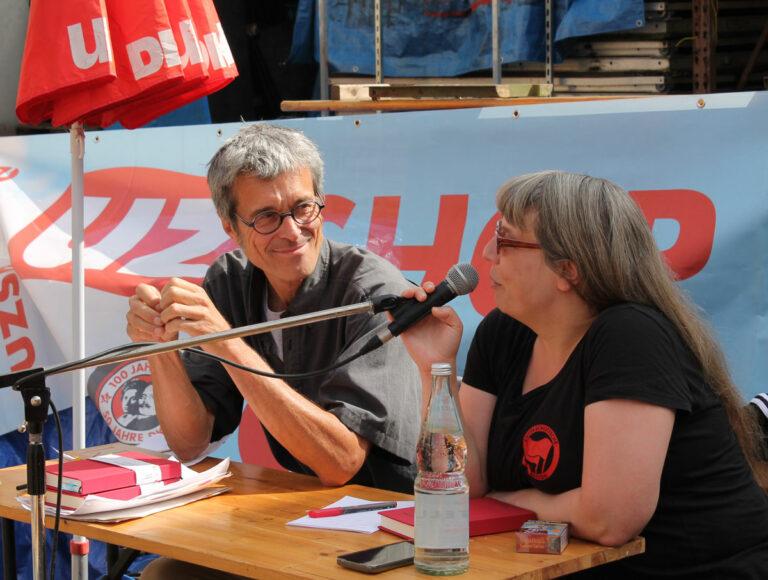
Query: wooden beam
[(448, 90), (429, 104)]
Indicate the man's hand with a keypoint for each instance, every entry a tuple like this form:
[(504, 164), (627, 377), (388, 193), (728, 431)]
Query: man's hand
[(143, 317), (186, 307), (181, 306)]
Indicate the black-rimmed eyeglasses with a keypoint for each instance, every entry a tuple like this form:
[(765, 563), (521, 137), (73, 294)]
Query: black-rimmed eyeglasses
[(269, 221), (502, 242)]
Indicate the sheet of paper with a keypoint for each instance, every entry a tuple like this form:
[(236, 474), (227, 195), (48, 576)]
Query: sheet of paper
[(151, 508), (362, 522)]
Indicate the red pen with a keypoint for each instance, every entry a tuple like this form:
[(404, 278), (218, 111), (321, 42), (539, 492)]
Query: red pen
[(351, 509)]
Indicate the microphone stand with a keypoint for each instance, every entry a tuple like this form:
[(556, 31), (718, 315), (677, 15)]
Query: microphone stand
[(388, 302), (37, 396)]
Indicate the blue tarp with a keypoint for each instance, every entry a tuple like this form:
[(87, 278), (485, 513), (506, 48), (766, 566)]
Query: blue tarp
[(449, 37)]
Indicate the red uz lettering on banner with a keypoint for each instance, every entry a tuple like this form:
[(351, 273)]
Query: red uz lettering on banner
[(12, 316)]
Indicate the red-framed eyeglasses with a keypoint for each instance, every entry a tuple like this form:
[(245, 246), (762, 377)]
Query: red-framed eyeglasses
[(502, 242)]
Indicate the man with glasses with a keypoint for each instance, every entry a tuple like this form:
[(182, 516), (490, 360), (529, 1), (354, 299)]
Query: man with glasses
[(358, 423)]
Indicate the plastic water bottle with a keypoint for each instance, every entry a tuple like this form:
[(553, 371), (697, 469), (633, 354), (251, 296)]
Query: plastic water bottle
[(441, 490)]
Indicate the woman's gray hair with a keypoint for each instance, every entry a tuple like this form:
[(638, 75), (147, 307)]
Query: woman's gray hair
[(595, 225), (263, 151)]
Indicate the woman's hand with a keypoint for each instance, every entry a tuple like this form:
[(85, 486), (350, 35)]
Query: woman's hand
[(436, 338)]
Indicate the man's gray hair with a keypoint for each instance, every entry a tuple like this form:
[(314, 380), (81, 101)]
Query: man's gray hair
[(263, 151)]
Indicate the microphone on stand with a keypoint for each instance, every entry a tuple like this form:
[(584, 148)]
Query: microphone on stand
[(461, 279), (132, 351)]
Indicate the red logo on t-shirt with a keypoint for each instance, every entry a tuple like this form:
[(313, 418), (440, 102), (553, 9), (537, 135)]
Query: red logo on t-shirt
[(541, 451)]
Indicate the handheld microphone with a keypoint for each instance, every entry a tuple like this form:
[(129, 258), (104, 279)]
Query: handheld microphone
[(461, 279)]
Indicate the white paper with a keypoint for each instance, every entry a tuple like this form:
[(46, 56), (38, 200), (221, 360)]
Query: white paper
[(145, 472), (141, 511), (362, 522), (184, 491)]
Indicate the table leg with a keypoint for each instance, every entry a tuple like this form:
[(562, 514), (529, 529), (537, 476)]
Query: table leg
[(9, 549), (112, 554)]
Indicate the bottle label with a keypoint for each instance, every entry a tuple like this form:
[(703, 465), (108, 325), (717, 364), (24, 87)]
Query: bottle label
[(442, 521)]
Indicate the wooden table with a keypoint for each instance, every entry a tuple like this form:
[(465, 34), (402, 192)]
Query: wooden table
[(244, 532)]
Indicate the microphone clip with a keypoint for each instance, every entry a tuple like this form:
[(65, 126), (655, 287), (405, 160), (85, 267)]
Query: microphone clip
[(387, 303)]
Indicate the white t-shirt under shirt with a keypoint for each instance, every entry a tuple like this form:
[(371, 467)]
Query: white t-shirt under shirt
[(271, 315)]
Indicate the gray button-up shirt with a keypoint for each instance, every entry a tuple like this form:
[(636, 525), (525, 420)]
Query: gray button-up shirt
[(377, 396)]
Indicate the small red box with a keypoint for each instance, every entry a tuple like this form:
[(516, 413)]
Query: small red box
[(542, 537)]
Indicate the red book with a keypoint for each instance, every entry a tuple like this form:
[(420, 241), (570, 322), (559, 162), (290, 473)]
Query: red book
[(84, 476), (73, 501), (486, 516)]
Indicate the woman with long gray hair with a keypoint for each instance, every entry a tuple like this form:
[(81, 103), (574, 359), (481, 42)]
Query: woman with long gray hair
[(595, 395)]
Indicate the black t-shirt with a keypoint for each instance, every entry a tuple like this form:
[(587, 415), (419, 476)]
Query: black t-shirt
[(712, 518)]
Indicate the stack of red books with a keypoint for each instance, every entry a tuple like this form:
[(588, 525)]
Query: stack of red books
[(121, 476)]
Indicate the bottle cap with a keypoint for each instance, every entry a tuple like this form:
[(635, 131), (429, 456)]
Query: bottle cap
[(441, 369)]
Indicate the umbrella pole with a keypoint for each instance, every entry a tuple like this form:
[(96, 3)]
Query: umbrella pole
[(79, 565)]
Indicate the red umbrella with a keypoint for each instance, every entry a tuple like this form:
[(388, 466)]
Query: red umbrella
[(207, 64), (67, 49), (101, 61)]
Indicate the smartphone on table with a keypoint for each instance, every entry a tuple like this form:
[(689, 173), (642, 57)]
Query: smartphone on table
[(379, 559)]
